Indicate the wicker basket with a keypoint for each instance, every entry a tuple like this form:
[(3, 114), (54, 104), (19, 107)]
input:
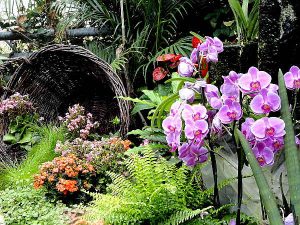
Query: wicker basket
[(59, 76)]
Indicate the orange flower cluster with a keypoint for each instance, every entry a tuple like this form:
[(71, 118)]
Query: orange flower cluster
[(65, 174), (118, 141), (66, 186)]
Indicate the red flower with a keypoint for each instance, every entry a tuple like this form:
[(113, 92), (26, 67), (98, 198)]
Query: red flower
[(195, 42), (165, 57), (159, 73), (204, 68), (176, 58)]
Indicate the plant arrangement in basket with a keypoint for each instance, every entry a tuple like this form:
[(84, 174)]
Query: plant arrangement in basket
[(19, 113), (244, 107)]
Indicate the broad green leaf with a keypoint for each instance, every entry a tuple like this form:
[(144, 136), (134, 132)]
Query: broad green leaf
[(245, 5), (175, 83), (291, 153), (26, 137), (188, 79), (139, 149), (154, 97), (266, 194), (139, 107), (9, 138)]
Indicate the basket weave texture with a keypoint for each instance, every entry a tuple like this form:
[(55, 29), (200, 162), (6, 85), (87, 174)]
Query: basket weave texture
[(59, 76)]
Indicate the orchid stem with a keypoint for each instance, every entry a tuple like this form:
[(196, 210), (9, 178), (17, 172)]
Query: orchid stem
[(240, 185), (240, 178), (215, 175)]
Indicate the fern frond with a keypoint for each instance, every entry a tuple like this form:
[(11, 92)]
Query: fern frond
[(154, 190), (184, 215)]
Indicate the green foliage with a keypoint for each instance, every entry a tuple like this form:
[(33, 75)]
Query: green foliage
[(150, 134), (218, 20), (291, 152), (13, 174), (180, 217), (267, 197), (155, 192), (22, 131), (150, 29), (150, 99), (24, 205), (247, 22)]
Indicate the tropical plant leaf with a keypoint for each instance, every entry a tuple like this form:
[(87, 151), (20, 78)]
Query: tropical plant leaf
[(266, 194), (290, 149)]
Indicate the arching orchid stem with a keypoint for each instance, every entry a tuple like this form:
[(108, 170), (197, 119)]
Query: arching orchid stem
[(221, 156), (240, 178), (215, 173)]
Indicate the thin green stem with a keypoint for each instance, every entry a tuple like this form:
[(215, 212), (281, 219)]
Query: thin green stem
[(295, 102), (240, 176), (215, 175)]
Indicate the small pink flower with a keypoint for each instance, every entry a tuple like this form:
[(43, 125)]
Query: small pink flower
[(186, 67), (292, 78), (246, 129), (265, 102), (263, 154), (187, 94), (272, 127), (254, 81), (230, 112), (195, 112), (196, 130), (212, 96)]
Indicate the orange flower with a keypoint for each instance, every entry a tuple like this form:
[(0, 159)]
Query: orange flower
[(71, 185), (126, 144), (79, 168), (90, 167), (66, 186), (38, 182), (113, 140), (51, 178)]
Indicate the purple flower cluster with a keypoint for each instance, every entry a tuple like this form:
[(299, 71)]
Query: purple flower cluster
[(252, 90), (208, 50), (16, 104), (194, 118), (266, 135), (77, 122)]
